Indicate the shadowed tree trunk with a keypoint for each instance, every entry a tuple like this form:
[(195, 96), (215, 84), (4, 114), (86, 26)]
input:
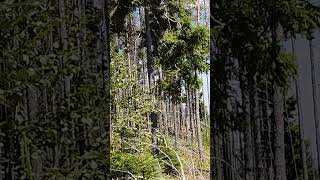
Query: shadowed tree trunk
[(106, 80), (249, 162), (153, 116), (298, 101), (278, 112), (279, 146), (315, 101)]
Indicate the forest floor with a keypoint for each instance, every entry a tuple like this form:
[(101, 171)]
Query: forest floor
[(193, 168)]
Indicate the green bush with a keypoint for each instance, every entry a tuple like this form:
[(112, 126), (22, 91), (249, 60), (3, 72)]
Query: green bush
[(142, 165), (170, 159)]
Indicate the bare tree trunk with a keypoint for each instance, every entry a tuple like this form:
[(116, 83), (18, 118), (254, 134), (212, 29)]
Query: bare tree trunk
[(25, 143), (220, 148), (181, 118), (278, 111), (269, 124), (170, 116), (175, 123), (197, 99), (279, 145), (107, 83), (198, 6), (249, 162), (153, 116), (198, 124), (315, 102), (63, 35), (191, 106), (33, 111), (302, 144), (205, 12), (163, 120), (188, 117), (224, 153), (3, 118), (254, 106), (205, 118), (290, 137), (293, 155), (148, 43)]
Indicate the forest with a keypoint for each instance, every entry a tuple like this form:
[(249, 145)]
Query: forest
[(157, 90), (256, 110), (94, 89)]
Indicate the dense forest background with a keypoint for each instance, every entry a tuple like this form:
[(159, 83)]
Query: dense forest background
[(255, 109), (113, 89), (160, 124), (93, 89)]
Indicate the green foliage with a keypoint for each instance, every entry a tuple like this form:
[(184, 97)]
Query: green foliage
[(121, 8), (248, 39), (183, 54), (52, 90), (66, 134), (141, 164), (171, 162), (298, 16), (251, 35), (129, 136), (285, 69)]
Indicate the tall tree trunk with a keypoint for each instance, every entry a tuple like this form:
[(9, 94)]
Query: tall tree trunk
[(26, 118), (270, 127), (254, 109), (63, 36), (315, 101), (175, 123), (148, 43), (300, 115), (33, 111), (163, 116), (278, 109), (106, 40), (302, 143), (220, 155), (3, 118), (181, 120), (205, 12), (188, 117), (197, 100), (279, 145), (263, 128), (198, 123), (153, 115), (62, 90), (249, 161), (198, 6), (191, 112)]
